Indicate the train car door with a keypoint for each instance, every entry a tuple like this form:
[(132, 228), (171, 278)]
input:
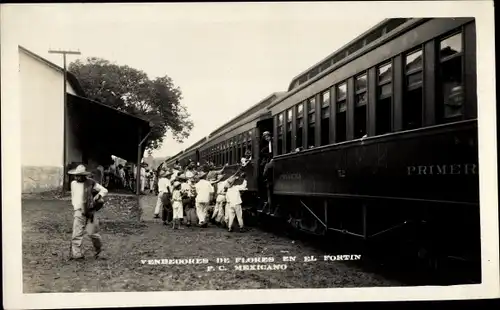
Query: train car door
[(262, 126)]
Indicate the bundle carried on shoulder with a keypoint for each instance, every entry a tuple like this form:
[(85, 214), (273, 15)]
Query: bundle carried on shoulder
[(91, 206)]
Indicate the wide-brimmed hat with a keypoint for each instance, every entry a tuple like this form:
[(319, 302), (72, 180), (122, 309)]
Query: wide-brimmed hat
[(177, 183), (80, 170)]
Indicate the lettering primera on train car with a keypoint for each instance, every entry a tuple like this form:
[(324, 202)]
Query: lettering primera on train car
[(443, 169)]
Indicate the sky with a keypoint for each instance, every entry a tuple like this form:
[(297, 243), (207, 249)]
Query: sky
[(225, 57)]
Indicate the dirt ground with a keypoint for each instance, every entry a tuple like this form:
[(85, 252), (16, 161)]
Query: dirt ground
[(131, 237)]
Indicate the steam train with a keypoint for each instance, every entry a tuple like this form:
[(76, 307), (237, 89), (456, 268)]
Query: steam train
[(378, 141)]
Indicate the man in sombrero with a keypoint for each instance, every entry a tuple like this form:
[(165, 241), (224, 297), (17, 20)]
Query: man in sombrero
[(86, 198)]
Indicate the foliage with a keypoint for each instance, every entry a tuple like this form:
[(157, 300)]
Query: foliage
[(130, 90)]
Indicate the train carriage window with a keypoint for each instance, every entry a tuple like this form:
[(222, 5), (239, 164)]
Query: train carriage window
[(250, 140), (237, 147), (240, 146), (243, 143), (311, 121), (231, 151), (325, 117), (224, 153), (384, 99), (360, 86), (451, 86), (280, 134), (341, 110), (412, 103), (289, 115), (300, 125)]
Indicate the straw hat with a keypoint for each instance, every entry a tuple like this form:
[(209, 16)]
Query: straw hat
[(80, 170), (177, 183)]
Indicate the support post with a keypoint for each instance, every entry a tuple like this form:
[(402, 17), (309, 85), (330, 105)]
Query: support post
[(139, 157), (326, 214), (64, 183), (65, 134), (138, 168), (365, 230)]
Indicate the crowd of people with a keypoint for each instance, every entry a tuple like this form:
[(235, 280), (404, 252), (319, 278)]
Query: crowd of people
[(193, 195), (124, 177), (197, 195)]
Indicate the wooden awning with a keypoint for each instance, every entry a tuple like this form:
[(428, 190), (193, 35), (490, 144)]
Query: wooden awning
[(104, 131)]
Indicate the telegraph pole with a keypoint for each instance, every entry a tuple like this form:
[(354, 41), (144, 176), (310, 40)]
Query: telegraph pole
[(64, 53)]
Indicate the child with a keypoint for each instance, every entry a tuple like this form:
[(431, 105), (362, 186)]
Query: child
[(177, 206), (189, 194), (246, 159), (233, 201)]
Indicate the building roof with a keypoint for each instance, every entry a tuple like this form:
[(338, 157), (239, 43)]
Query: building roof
[(73, 81), (108, 131), (119, 132)]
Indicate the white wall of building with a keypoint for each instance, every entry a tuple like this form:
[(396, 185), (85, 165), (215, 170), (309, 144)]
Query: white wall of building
[(42, 102), (41, 94)]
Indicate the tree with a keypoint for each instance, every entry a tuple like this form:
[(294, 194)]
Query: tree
[(130, 90)]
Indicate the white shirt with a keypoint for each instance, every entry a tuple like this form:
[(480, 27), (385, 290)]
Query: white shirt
[(233, 195), (270, 147), (220, 187), (203, 191), (163, 185), (143, 172), (77, 193), (186, 188)]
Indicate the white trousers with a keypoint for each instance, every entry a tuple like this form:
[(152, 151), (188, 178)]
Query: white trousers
[(201, 211), (159, 204), (235, 210), (80, 222)]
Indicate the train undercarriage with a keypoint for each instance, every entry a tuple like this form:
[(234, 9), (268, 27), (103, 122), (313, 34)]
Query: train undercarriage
[(424, 237)]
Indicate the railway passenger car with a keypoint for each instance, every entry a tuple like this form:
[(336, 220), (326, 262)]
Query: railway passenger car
[(378, 142), (388, 125)]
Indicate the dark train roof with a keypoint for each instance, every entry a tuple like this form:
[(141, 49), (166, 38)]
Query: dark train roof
[(200, 142), (358, 43), (253, 109)]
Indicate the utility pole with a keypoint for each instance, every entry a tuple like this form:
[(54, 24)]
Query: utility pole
[(64, 53)]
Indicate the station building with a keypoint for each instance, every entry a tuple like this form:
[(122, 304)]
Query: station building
[(93, 131)]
